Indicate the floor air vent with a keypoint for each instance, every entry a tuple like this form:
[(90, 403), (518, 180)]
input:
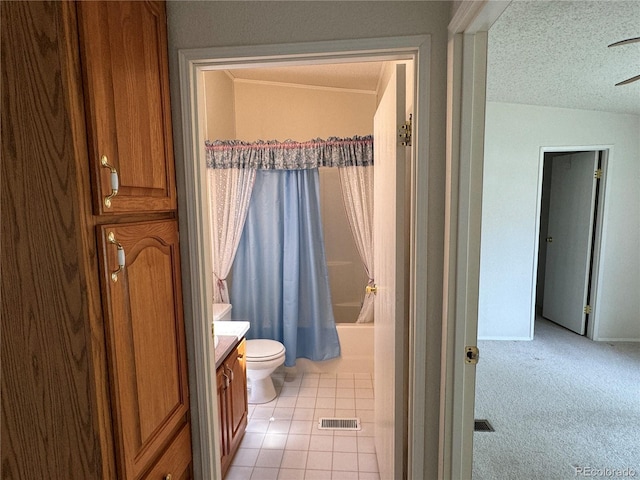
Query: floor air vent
[(482, 426), (339, 424)]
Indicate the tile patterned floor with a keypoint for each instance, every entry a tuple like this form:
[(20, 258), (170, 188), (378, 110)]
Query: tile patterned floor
[(283, 441)]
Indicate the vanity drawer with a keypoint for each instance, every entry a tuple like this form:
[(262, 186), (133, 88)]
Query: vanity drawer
[(175, 463)]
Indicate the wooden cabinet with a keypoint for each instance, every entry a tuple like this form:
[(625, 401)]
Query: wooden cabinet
[(145, 327), (94, 370), (123, 48), (176, 461), (231, 380)]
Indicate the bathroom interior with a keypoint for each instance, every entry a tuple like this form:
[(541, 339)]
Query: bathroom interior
[(302, 103)]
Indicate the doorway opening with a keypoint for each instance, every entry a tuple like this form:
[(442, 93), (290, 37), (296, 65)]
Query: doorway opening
[(301, 104), (193, 64), (571, 202)]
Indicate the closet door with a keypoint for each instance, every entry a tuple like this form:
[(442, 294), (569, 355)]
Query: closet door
[(124, 64), (146, 343)]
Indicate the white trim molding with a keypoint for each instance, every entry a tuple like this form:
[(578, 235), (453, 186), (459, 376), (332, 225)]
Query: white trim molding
[(466, 102)]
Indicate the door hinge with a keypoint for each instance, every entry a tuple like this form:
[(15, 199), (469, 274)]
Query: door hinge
[(405, 133), (597, 173), (587, 309), (471, 355)]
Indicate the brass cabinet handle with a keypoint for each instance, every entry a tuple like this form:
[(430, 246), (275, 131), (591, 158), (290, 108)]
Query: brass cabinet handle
[(121, 257), (168, 476), (104, 161)]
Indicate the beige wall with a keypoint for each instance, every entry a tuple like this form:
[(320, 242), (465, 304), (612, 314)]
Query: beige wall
[(267, 111), (219, 106)]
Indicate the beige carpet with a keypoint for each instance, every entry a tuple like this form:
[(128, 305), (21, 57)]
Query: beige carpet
[(562, 407)]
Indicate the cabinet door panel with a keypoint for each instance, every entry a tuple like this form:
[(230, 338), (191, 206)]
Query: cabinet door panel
[(223, 431), (124, 49), (238, 391), (145, 329), (176, 461)]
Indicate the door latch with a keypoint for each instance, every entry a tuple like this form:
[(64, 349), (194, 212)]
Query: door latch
[(472, 355)]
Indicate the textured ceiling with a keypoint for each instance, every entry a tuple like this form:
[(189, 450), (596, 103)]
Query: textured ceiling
[(550, 53), (554, 53)]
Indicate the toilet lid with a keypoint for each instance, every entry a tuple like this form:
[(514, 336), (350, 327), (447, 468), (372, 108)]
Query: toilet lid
[(261, 350)]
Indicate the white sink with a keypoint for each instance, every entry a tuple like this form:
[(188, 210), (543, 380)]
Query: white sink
[(233, 328)]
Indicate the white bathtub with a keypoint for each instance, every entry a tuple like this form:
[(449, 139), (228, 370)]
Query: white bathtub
[(356, 346)]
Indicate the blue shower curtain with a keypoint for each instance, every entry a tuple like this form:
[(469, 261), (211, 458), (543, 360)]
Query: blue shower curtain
[(279, 276)]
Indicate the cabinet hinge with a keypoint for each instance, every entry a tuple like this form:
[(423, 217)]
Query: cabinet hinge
[(405, 133), (471, 355), (597, 173), (587, 309)]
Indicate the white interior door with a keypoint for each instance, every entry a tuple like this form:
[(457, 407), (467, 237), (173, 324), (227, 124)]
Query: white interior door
[(389, 258), (569, 239)]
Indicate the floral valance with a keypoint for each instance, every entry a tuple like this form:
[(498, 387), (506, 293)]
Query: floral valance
[(290, 155)]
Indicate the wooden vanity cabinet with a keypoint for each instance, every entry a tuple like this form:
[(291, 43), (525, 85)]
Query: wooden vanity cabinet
[(231, 380), (94, 369)]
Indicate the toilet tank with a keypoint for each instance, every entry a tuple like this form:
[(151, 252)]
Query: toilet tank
[(221, 311)]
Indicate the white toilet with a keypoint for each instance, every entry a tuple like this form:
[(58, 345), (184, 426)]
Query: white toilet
[(263, 357)]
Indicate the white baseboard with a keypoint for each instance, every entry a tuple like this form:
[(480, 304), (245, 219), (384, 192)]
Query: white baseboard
[(523, 339), (628, 340)]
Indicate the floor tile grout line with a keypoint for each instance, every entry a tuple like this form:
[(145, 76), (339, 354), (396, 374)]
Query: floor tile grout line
[(355, 435)]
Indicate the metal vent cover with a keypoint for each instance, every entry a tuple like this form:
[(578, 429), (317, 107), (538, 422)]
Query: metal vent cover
[(326, 423), (482, 426)]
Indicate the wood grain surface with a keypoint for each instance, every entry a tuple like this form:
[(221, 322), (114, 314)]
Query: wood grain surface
[(49, 410)]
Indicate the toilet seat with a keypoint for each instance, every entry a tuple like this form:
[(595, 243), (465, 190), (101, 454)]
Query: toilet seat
[(263, 350)]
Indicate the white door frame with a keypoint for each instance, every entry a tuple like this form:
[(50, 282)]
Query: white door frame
[(192, 63), (592, 324), (466, 102)]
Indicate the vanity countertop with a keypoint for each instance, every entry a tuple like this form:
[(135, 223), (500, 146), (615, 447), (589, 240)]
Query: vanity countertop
[(226, 343), (229, 333)]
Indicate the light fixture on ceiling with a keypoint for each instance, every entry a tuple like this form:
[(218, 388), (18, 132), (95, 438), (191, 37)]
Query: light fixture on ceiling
[(625, 42)]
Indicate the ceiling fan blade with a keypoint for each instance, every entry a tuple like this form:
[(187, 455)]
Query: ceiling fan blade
[(625, 42), (628, 80)]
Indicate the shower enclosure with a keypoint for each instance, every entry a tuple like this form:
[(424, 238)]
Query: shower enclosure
[(347, 276)]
